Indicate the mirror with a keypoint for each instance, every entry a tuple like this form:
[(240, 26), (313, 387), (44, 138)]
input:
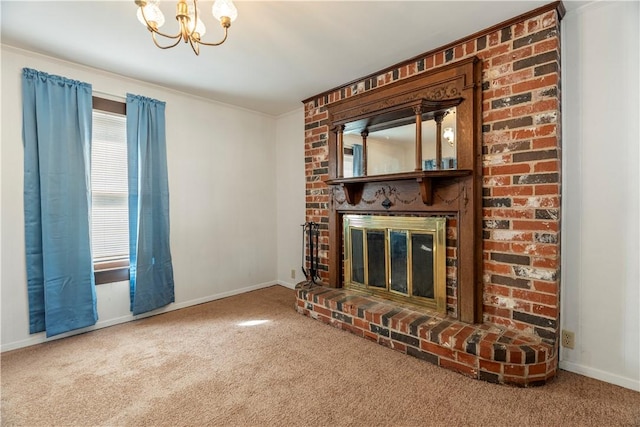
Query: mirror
[(350, 169), (390, 147), (388, 151), (448, 141)]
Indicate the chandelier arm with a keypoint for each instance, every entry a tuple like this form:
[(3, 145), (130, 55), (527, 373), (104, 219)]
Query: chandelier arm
[(194, 46), (169, 36), (155, 41), (226, 33), (155, 30)]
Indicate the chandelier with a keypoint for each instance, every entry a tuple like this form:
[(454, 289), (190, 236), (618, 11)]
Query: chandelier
[(188, 16), (449, 135)]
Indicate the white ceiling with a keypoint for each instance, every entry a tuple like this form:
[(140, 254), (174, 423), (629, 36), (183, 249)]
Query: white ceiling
[(278, 52)]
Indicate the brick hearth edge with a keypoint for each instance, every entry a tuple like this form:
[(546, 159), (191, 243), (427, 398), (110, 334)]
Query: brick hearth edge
[(483, 351)]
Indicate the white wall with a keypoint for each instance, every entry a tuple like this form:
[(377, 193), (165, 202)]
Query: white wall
[(290, 210), (385, 157), (221, 167), (600, 235)]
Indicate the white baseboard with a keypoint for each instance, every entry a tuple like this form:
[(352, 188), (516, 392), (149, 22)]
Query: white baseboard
[(286, 284), (630, 383), (41, 337), (215, 297)]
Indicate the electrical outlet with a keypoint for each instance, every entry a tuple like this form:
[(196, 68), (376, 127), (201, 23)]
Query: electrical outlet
[(568, 339), (293, 273)]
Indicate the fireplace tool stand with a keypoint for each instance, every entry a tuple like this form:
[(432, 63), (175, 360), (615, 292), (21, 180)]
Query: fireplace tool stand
[(310, 263)]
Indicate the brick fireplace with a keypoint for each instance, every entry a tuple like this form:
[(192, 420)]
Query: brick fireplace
[(515, 338)]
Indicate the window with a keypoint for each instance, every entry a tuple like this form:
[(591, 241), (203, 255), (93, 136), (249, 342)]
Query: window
[(109, 207), (348, 162)]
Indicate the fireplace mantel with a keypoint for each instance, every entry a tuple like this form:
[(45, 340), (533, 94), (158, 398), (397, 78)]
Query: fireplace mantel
[(455, 192), (352, 187)]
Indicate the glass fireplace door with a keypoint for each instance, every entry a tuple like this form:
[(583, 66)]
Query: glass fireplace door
[(399, 258)]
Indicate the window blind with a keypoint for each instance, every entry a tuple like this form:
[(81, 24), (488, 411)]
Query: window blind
[(109, 212)]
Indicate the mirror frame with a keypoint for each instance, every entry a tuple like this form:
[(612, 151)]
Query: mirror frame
[(454, 192), (412, 112)]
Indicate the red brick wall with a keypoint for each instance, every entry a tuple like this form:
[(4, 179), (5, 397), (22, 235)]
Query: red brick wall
[(521, 166)]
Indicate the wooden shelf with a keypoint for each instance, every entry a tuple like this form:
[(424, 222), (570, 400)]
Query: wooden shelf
[(353, 186)]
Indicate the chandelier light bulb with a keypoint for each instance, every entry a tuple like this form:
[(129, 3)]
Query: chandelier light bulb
[(224, 8), (153, 14), (449, 135), (200, 28)]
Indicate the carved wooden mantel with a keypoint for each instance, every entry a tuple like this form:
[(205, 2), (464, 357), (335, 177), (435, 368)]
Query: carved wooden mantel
[(453, 192)]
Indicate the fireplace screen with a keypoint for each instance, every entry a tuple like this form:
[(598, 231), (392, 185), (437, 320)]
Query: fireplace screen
[(399, 258)]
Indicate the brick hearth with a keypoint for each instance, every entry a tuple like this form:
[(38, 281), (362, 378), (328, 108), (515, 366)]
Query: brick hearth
[(487, 352)]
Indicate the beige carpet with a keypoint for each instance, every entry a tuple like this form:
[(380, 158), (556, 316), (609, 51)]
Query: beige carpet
[(199, 367)]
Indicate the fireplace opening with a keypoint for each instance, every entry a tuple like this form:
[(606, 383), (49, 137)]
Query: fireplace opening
[(398, 258)]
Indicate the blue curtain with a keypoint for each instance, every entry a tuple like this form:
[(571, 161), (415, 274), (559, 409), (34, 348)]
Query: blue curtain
[(357, 160), (56, 132), (151, 270)]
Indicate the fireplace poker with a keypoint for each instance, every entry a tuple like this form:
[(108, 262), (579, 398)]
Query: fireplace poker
[(310, 233)]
